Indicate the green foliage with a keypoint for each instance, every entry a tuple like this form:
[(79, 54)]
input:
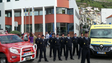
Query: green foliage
[(85, 26), (98, 4), (16, 32)]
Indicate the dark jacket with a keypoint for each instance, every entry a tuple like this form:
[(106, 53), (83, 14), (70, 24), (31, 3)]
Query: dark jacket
[(68, 42), (62, 41), (80, 40), (37, 41), (57, 42), (86, 43), (51, 41), (75, 40), (43, 43)]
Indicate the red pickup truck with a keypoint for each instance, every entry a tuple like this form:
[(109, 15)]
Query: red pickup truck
[(14, 49)]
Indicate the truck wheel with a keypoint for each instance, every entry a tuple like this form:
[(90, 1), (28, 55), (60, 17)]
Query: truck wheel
[(3, 58)]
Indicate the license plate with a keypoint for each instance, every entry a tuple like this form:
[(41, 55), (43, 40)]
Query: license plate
[(28, 58), (101, 52), (27, 53)]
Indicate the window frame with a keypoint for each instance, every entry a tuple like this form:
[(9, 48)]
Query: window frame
[(0, 13)]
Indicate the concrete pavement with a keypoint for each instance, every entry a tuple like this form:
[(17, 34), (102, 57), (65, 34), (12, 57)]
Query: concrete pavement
[(100, 59)]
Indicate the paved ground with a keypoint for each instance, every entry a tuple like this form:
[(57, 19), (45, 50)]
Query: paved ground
[(100, 59)]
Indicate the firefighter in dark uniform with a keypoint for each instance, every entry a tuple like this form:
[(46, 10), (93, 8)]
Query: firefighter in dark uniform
[(43, 45), (51, 40), (80, 48), (57, 45), (75, 44), (62, 41), (85, 49), (37, 41), (68, 43)]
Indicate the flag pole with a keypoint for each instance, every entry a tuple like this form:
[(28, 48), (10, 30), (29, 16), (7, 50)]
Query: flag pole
[(25, 20), (29, 20)]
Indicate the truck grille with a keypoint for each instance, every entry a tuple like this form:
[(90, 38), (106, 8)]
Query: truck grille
[(27, 49), (103, 49)]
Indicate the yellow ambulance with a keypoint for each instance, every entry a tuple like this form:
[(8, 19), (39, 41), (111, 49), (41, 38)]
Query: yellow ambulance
[(101, 39)]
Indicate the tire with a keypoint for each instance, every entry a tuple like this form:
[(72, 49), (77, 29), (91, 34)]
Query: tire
[(31, 60), (3, 58)]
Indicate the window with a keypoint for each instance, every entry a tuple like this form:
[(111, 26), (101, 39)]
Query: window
[(70, 11), (8, 0), (0, 13), (0, 26), (16, 0), (61, 10), (38, 28), (49, 11), (0, 1)]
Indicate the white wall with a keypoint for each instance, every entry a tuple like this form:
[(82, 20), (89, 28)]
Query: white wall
[(28, 3), (2, 18), (105, 12), (109, 20), (73, 4)]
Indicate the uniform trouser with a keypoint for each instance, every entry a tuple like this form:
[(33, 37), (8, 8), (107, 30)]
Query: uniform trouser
[(41, 51), (62, 48), (68, 49), (80, 50), (54, 53), (85, 54), (51, 49), (75, 47), (37, 52)]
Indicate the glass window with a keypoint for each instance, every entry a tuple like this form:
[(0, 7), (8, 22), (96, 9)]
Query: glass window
[(38, 28), (16, 0), (70, 11), (8, 28), (59, 10), (17, 14), (35, 12), (0, 13), (49, 27), (10, 39), (28, 27), (101, 33), (40, 12), (18, 28), (0, 1), (8, 0), (62, 28), (71, 26)]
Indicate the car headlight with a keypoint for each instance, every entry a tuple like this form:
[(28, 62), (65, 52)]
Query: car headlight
[(110, 48), (91, 46), (15, 51)]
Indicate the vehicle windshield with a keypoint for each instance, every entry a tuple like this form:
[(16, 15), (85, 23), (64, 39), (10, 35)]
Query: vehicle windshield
[(101, 33), (10, 39)]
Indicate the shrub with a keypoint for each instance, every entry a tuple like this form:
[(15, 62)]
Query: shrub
[(16, 32)]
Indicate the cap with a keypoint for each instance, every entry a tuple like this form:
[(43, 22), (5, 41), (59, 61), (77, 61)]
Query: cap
[(62, 33), (57, 34), (52, 33), (75, 33), (42, 35), (68, 33), (81, 33), (86, 32)]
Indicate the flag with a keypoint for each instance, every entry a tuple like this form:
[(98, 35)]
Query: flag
[(25, 12), (32, 11), (29, 11)]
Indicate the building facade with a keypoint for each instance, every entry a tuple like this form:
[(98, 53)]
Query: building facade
[(39, 16), (109, 20), (105, 12)]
